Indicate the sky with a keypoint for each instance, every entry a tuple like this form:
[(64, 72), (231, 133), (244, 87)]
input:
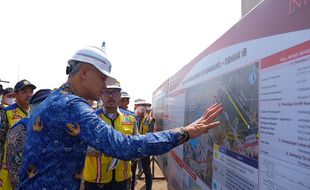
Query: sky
[(147, 41)]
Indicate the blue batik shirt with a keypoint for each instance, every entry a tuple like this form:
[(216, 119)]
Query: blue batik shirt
[(59, 132), (14, 150)]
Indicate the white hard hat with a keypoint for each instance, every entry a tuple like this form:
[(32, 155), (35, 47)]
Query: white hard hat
[(124, 94), (115, 85), (95, 57), (139, 101)]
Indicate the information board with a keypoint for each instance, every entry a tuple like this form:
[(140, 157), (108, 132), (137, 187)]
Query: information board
[(260, 71)]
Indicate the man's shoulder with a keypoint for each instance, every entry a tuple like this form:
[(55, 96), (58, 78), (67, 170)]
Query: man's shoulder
[(57, 107), (99, 111), (128, 117), (23, 122), (127, 112), (17, 129), (62, 98), (11, 107)]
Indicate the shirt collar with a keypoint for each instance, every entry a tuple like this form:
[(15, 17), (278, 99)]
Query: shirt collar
[(111, 116), (67, 87)]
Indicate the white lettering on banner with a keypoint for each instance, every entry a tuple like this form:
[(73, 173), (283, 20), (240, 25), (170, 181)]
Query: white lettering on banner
[(232, 58), (249, 51)]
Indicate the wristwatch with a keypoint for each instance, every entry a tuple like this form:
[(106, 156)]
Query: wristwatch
[(183, 135)]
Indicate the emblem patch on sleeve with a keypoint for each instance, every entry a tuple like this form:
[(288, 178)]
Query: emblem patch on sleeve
[(73, 130), (37, 126)]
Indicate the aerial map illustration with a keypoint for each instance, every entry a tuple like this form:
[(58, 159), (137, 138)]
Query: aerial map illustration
[(237, 90)]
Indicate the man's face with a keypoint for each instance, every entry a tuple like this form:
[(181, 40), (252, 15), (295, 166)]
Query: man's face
[(8, 99), (23, 96), (111, 97), (140, 109), (148, 107), (124, 103), (93, 82)]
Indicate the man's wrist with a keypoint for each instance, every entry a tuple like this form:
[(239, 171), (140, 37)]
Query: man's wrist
[(183, 135)]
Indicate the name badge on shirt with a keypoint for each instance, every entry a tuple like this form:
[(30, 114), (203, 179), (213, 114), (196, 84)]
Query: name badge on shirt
[(126, 120)]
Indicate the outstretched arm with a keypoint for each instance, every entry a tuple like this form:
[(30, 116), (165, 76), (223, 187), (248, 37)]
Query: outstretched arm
[(100, 135)]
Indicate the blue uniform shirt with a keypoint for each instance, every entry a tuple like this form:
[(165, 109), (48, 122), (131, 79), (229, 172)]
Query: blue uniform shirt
[(58, 133)]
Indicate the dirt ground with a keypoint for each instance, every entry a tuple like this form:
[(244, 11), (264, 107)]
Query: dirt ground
[(158, 182)]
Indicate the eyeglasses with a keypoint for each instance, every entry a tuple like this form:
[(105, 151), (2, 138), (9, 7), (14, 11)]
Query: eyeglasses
[(112, 93)]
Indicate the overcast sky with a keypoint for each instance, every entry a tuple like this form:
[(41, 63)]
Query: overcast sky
[(147, 41)]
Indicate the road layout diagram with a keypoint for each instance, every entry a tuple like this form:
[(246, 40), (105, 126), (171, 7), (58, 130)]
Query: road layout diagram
[(238, 132)]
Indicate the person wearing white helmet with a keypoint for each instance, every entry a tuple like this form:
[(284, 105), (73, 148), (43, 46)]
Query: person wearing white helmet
[(112, 174), (124, 101), (143, 128), (123, 104), (62, 127)]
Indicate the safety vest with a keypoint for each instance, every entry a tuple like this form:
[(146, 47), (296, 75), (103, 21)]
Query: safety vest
[(96, 167), (144, 126), (14, 114), (4, 127)]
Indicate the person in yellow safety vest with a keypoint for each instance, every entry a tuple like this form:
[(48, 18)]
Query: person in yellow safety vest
[(102, 172), (147, 123), (16, 137), (7, 99), (145, 126), (123, 104), (23, 90)]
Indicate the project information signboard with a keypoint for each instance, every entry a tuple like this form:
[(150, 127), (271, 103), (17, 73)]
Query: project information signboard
[(232, 170), (285, 119), (260, 71)]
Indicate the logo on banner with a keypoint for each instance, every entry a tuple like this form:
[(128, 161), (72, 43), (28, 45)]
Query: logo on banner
[(294, 5)]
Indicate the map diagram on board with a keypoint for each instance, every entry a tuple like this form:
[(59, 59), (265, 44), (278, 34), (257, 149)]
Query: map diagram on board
[(237, 91)]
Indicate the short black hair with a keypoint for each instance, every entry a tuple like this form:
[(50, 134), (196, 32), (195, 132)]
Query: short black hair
[(1, 89), (74, 68)]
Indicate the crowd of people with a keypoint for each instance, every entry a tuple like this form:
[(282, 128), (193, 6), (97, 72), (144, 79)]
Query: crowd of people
[(60, 140)]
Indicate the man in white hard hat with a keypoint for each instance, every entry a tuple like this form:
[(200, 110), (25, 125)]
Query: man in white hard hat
[(62, 127), (123, 103), (111, 175), (143, 128)]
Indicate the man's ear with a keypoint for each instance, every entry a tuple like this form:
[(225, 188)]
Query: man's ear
[(83, 72)]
